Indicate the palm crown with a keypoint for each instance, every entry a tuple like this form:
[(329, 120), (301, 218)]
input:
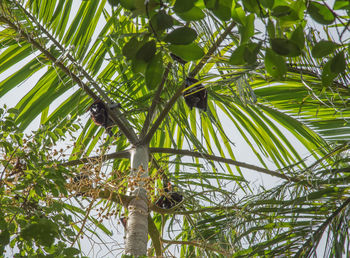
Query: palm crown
[(274, 87)]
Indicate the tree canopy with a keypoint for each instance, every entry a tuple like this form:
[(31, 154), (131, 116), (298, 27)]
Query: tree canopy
[(185, 79)]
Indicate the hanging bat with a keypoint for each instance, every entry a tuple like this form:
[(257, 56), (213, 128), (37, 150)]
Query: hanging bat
[(169, 199), (195, 96), (99, 114)]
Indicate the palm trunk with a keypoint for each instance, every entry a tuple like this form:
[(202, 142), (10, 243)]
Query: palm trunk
[(137, 226)]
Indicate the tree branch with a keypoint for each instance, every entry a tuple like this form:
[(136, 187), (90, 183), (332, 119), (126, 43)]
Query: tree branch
[(211, 51), (198, 244), (82, 70), (175, 210), (178, 93), (115, 197), (154, 102), (49, 56), (125, 154), (60, 47), (115, 114), (221, 159), (116, 155), (155, 236)]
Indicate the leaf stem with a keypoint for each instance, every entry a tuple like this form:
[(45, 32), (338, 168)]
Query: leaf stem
[(199, 244), (116, 155), (314, 239), (224, 160), (115, 114), (178, 93), (155, 102), (126, 154)]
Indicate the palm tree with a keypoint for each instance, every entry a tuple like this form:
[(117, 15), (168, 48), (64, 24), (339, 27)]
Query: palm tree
[(275, 88)]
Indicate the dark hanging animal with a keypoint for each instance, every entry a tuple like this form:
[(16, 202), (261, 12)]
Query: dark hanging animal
[(99, 115), (169, 199), (195, 96)]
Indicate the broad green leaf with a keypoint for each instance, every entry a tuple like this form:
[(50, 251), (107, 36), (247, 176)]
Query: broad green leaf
[(287, 215), (275, 65), (220, 8), (154, 72), (237, 57), (298, 37), (194, 14), (183, 5), (320, 13), (247, 30), (146, 52), (210, 4), (271, 29), (143, 8), (267, 3), (251, 6), (285, 47), (338, 63), (138, 66), (281, 10), (114, 2), (223, 9), (131, 47), (189, 52), (161, 21), (288, 14), (44, 231), (239, 15), (130, 4), (299, 10), (181, 36), (4, 237), (251, 52), (341, 4), (323, 48), (245, 54), (71, 251), (327, 75)]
